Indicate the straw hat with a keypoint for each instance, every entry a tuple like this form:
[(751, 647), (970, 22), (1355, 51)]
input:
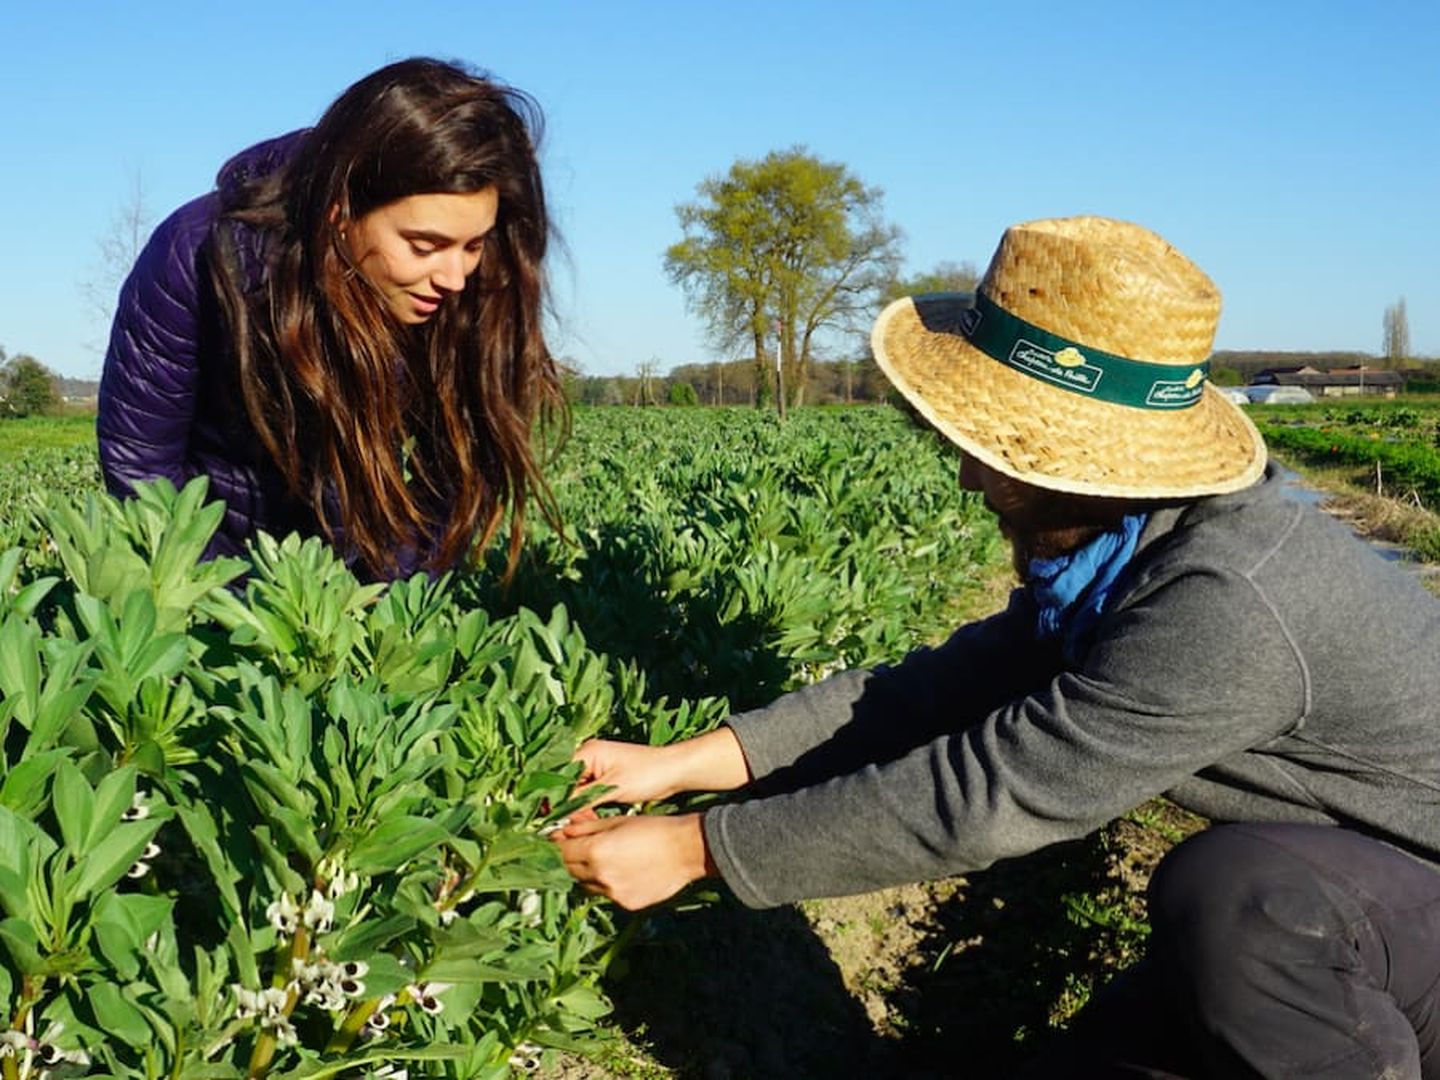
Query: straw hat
[(1081, 365)]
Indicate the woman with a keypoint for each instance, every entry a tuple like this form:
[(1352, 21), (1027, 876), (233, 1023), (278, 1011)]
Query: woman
[(345, 335)]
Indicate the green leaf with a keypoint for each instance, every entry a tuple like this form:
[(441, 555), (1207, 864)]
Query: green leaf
[(74, 804), (23, 845), (24, 787), (23, 945), (278, 863), (114, 854), (386, 975), (363, 940), (118, 1016), (243, 952), (514, 967), (470, 939), (393, 843), (14, 889), (122, 925), (584, 1001), (298, 831), (200, 827), (113, 797)]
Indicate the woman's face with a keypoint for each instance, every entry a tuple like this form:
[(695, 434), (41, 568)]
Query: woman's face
[(420, 249)]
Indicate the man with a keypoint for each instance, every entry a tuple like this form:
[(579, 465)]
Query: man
[(1183, 628)]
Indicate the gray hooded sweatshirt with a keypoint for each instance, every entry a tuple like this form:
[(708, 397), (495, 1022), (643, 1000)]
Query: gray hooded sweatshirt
[(1255, 663)]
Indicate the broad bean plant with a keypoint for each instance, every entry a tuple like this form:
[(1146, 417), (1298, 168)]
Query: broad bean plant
[(258, 818)]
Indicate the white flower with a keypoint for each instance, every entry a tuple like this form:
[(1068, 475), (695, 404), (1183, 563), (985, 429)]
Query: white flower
[(284, 1031), (526, 1057), (140, 867), (284, 914), (319, 913), (49, 1055), (427, 995), (531, 906), (268, 1004), (139, 808), (337, 881), (12, 1042), (325, 996), (329, 985), (379, 1019)]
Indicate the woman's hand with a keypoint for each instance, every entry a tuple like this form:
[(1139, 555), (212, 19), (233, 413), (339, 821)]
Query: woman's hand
[(635, 861), (638, 774)]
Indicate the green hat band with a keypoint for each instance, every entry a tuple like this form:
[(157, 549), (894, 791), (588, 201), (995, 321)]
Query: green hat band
[(1104, 376)]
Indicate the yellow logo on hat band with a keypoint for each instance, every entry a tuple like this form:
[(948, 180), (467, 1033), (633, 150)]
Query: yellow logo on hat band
[(1040, 354)]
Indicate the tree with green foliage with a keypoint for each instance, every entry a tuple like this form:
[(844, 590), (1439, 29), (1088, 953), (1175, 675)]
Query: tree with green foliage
[(27, 387), (682, 393), (789, 248), (946, 277)]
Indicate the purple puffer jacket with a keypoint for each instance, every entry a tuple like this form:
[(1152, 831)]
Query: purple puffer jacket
[(170, 400)]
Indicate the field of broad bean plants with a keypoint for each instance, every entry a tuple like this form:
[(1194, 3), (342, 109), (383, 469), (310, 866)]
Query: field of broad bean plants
[(265, 820)]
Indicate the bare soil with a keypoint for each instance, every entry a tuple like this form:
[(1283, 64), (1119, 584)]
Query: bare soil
[(966, 977)]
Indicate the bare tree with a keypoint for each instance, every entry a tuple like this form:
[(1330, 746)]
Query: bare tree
[(1396, 348), (645, 381), (115, 253)]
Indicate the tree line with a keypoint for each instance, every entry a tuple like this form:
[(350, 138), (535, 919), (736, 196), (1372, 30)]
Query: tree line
[(786, 259), (729, 382)]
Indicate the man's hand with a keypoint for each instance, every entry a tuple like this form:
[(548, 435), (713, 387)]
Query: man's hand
[(635, 861)]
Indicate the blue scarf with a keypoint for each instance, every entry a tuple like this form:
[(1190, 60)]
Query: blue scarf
[(1071, 591)]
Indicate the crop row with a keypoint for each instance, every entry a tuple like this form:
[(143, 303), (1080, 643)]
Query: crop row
[(1399, 442), (262, 819)]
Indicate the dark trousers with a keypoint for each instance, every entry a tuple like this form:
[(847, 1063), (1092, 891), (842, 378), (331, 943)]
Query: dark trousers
[(1276, 951)]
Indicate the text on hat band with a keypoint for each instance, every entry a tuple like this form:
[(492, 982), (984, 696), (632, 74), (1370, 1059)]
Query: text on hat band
[(1078, 368)]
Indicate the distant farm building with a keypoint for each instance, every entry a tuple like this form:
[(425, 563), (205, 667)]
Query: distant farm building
[(1337, 382)]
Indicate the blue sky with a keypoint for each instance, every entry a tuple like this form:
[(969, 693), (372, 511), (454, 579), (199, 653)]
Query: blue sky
[(1291, 149)]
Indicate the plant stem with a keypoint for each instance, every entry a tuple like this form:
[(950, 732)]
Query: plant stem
[(264, 1052), (349, 1029), (30, 988)]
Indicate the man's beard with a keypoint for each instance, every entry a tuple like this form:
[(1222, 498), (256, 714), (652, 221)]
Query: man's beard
[(1047, 542)]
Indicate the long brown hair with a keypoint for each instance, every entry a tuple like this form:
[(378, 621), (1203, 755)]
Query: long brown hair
[(400, 435)]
